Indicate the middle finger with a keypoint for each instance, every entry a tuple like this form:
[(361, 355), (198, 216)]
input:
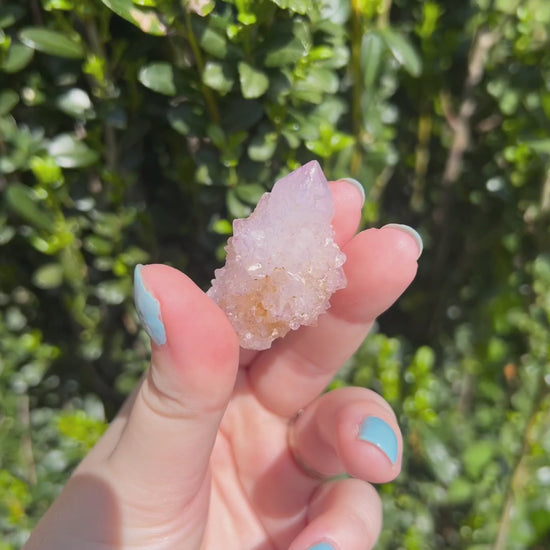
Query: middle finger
[(381, 263)]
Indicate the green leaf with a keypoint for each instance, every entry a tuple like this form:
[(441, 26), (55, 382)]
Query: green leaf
[(477, 456), (222, 227), (313, 87), (460, 491), (81, 427), (249, 194), (217, 75), (335, 12), (98, 246), (52, 42), (443, 464), (69, 152), (403, 51), (302, 7), (431, 12), (17, 58), (24, 202), (216, 135), (235, 206), (76, 103), (146, 20), (46, 170), (283, 50), (65, 5), (263, 145), (7, 232), (240, 114), (16, 496), (161, 77), (8, 100), (186, 119), (48, 276), (200, 7), (113, 292), (372, 53), (541, 146), (212, 40), (10, 14), (254, 83)]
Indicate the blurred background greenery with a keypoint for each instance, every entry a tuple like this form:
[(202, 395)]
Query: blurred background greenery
[(136, 131)]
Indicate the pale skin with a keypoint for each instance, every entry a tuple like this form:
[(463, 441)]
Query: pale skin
[(198, 457)]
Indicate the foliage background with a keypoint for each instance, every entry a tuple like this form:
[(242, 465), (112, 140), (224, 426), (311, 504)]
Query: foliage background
[(136, 131)]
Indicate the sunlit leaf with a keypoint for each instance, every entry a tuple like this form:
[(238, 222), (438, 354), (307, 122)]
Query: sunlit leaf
[(48, 276), (217, 76), (23, 201), (8, 100), (298, 6), (69, 152), (161, 77), (254, 82), (403, 51), (283, 50), (52, 42), (75, 102), (372, 55), (17, 58), (147, 20)]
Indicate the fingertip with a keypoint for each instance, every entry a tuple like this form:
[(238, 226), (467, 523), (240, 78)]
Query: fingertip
[(148, 308), (370, 442), (376, 431), (358, 187), (190, 334), (402, 235), (348, 202), (381, 264)]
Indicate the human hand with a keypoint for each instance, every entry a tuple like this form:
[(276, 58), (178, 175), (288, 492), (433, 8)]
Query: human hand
[(199, 456)]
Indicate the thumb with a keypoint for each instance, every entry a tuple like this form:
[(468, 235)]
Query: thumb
[(165, 447)]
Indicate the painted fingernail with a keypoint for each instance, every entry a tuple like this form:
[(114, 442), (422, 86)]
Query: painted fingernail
[(360, 188), (321, 546), (410, 231), (378, 432), (148, 308)]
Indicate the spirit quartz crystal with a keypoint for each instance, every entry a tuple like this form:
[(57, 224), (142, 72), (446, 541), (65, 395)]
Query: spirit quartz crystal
[(282, 264)]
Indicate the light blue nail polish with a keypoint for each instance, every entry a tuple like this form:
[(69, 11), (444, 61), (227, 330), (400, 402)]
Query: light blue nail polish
[(412, 232), (321, 546), (148, 309), (357, 184), (374, 430)]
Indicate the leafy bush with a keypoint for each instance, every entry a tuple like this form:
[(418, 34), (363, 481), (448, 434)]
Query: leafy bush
[(136, 131)]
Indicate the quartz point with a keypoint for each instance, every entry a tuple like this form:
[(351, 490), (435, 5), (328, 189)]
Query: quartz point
[(282, 264)]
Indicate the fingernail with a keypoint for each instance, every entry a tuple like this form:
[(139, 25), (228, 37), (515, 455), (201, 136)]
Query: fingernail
[(410, 231), (374, 430), (360, 188), (148, 309), (321, 546)]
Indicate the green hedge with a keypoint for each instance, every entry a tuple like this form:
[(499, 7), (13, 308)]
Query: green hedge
[(134, 132)]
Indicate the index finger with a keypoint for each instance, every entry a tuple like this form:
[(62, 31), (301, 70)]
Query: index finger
[(348, 197)]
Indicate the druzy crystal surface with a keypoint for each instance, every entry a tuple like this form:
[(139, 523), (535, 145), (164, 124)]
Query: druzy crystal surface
[(282, 263)]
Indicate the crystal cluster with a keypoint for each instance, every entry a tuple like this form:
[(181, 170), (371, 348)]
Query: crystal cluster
[(282, 263)]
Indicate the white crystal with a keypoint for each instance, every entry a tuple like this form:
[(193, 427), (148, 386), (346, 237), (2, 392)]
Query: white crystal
[(282, 263)]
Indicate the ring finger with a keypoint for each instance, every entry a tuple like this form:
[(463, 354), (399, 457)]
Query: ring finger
[(349, 430)]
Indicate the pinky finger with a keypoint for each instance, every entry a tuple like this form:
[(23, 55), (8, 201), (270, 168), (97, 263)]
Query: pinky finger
[(343, 515)]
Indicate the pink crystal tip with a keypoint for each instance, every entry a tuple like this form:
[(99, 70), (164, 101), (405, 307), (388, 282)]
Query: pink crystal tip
[(282, 263)]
